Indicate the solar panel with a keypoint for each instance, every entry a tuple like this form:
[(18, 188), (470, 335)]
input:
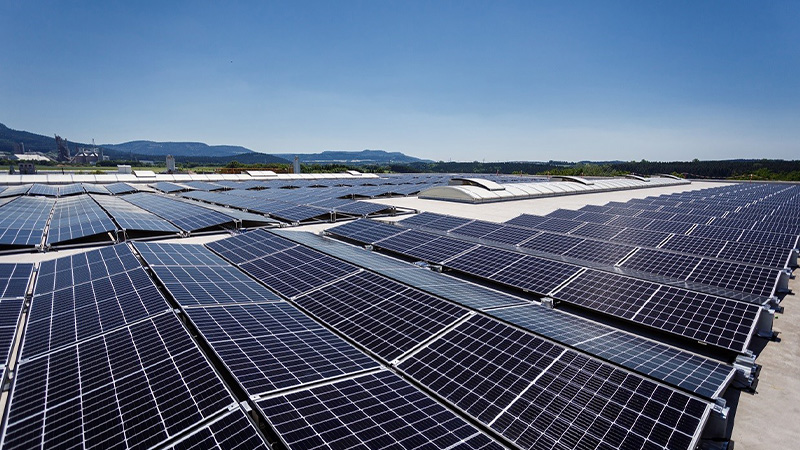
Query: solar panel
[(369, 412), (477, 228), (564, 214), (95, 189), (670, 265), (598, 231), (68, 315), (164, 254), (301, 213), (757, 254), (709, 231), (767, 238), (694, 245), (669, 227), (70, 189), (599, 252), (718, 321), (736, 277), (632, 222), (459, 291), (61, 273), (233, 430), (601, 405), (10, 311), (120, 188), (368, 231), (14, 279), (22, 221), (361, 208), (204, 185), (11, 191), (541, 395), (384, 316), (77, 218), (165, 186), (644, 238), (296, 270), (484, 261), (704, 377), (126, 388), (249, 246), (511, 235), (189, 217), (609, 293), (551, 243), (558, 225), (434, 221), (274, 346), (43, 189), (211, 285), (133, 219), (425, 246)]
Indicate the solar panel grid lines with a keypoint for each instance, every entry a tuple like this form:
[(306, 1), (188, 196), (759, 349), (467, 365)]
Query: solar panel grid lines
[(736, 277), (77, 217), (69, 271), (10, 314), (373, 411), (671, 265), (169, 254), (14, 279), (707, 318), (384, 316), (494, 372), (124, 388), (23, 220), (130, 217), (186, 216), (249, 246), (270, 347), (609, 293), (680, 368), (295, 270), (232, 430)]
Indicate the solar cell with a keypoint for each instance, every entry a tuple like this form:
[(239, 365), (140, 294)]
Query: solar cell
[(565, 214), (375, 411), (127, 388), (11, 191), (484, 261), (770, 239), (43, 189), (558, 225), (61, 273), (95, 189), (70, 189), (301, 213), (710, 231), (231, 431), (384, 316), (477, 228), (757, 254), (511, 235), (211, 285)]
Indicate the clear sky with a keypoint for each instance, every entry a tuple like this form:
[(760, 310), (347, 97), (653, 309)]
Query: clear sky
[(445, 80)]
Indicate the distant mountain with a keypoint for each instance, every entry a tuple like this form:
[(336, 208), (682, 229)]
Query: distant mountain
[(353, 157), (177, 149), (137, 150)]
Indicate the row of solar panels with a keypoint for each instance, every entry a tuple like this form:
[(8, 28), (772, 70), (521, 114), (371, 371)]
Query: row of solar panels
[(105, 362), (486, 369), (36, 221), (740, 280), (718, 321), (48, 190)]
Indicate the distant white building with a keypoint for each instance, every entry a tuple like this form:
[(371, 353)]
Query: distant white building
[(170, 164), (30, 157)]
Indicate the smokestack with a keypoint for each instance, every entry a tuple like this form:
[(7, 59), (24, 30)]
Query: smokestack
[(296, 164)]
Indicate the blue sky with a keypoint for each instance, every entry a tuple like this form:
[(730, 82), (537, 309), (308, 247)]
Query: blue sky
[(449, 80)]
